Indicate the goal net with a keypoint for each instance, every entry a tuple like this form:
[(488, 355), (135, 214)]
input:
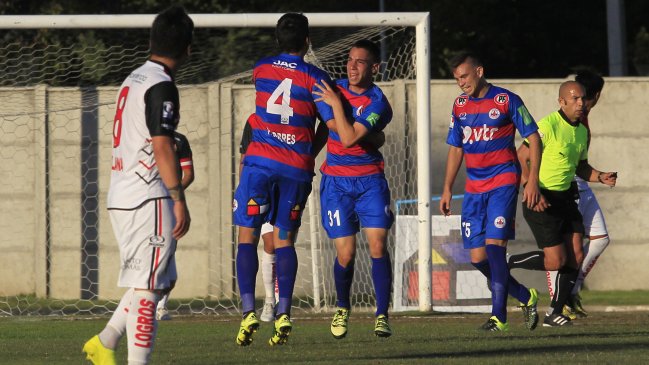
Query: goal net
[(57, 91)]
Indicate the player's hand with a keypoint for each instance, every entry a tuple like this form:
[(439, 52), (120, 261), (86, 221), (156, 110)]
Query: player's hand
[(542, 204), (531, 194), (608, 178), (445, 204), (182, 219), (326, 93)]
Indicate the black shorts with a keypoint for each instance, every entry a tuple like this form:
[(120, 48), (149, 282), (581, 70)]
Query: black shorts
[(561, 218)]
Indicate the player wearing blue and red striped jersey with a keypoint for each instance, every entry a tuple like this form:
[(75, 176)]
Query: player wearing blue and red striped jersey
[(353, 189), (275, 179), (483, 124)]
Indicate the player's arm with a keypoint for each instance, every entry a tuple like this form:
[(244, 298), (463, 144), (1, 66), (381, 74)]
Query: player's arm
[(184, 153), (350, 133), (453, 163), (320, 139), (590, 174), (531, 192), (161, 120), (188, 176), (246, 137)]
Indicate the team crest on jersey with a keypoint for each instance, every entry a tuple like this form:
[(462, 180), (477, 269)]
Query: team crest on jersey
[(494, 113), (235, 205), (254, 208), (462, 116), (461, 101), (500, 222), (501, 99), (156, 241)]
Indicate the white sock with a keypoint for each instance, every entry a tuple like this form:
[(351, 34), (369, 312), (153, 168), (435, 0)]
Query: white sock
[(116, 326), (551, 277), (163, 302), (592, 250), (141, 326), (268, 275)]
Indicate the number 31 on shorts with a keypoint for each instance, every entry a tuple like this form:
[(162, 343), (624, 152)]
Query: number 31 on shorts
[(334, 218)]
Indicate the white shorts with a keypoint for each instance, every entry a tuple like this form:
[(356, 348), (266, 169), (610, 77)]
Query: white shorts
[(266, 228), (594, 224), (146, 245)]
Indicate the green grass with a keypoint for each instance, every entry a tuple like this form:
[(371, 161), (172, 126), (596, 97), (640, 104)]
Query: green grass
[(602, 338)]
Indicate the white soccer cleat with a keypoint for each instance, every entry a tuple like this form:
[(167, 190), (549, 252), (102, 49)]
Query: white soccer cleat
[(268, 312)]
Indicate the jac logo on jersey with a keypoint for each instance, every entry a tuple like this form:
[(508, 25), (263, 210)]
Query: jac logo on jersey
[(235, 205), (452, 123), (483, 133), (168, 110), (501, 99), (494, 113), (359, 111), (461, 101), (500, 222), (462, 116), (285, 64)]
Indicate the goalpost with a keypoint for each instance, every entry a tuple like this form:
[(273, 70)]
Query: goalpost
[(54, 132)]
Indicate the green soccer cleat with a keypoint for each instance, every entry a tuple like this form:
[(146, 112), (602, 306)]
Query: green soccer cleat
[(530, 315), (249, 325), (283, 327), (494, 324), (568, 312), (382, 326), (97, 353), (339, 323), (575, 304)]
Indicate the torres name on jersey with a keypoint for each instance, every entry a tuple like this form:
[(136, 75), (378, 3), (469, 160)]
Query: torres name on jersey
[(484, 128), (147, 106), (283, 125), (373, 111)]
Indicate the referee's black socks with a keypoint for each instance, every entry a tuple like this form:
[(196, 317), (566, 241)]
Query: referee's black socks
[(566, 278)]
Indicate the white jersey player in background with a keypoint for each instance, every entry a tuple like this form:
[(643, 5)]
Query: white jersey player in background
[(593, 217), (146, 201)]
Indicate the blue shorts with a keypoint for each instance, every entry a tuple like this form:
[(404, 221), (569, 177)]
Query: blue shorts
[(265, 196), (489, 215), (346, 202)]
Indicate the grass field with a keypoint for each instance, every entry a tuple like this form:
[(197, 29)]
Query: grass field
[(602, 338)]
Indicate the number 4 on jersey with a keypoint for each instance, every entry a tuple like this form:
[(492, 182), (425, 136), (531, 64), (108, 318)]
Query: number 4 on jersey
[(284, 109)]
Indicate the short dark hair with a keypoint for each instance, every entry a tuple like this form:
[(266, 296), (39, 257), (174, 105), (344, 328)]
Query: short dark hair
[(171, 33), (462, 57), (592, 82), (370, 47), (292, 31)]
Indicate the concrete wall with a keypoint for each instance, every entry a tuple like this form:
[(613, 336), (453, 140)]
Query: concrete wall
[(44, 148)]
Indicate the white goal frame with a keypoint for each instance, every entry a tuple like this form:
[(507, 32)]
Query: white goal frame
[(419, 20)]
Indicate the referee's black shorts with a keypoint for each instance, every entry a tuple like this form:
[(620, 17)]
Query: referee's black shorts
[(561, 218)]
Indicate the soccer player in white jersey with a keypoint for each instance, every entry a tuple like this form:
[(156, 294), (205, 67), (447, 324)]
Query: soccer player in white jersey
[(146, 201)]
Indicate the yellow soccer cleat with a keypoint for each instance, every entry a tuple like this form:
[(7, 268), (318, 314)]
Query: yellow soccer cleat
[(339, 323), (382, 326), (97, 353), (530, 314), (494, 324), (283, 327), (249, 325)]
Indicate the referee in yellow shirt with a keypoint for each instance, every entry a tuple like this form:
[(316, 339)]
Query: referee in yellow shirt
[(555, 221)]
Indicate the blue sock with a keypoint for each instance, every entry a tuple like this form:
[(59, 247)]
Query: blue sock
[(515, 289), (382, 279), (499, 278), (247, 266), (286, 268), (343, 277)]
